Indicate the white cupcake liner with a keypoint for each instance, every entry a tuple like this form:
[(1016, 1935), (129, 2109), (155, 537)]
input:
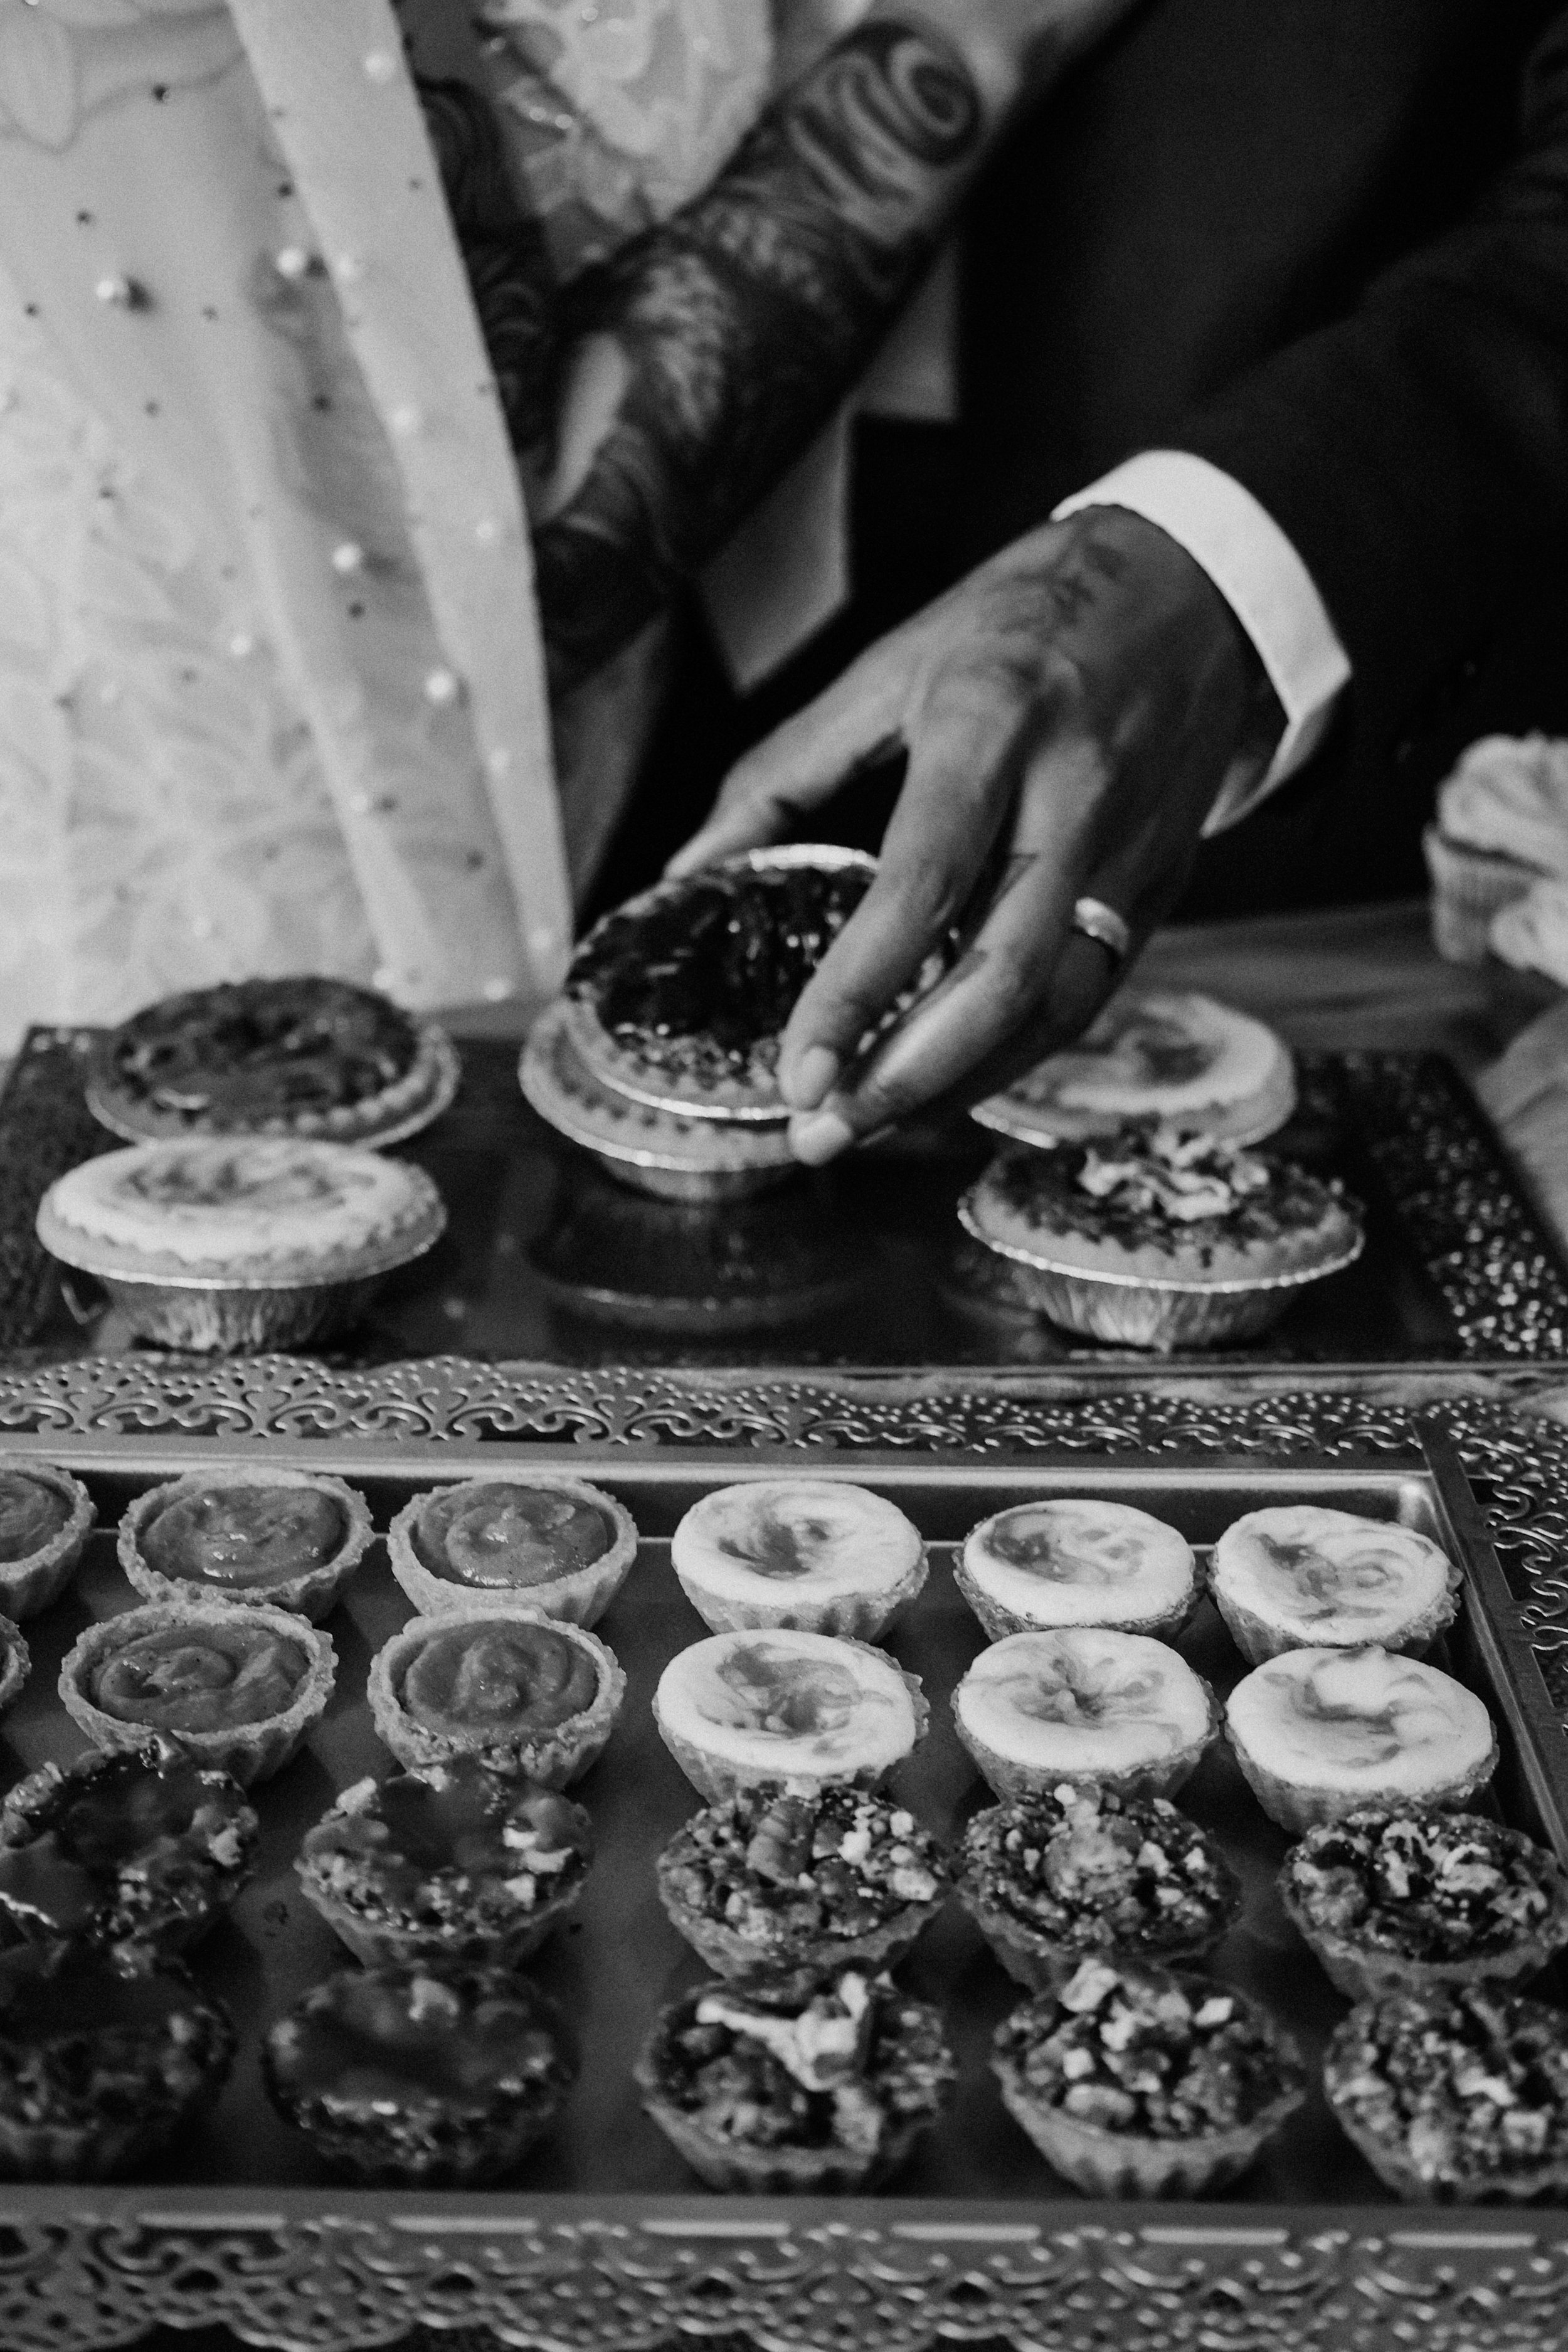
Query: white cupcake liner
[(717, 1777), (27, 1586), (1010, 1777), (555, 1758), (313, 1593), (1301, 1805), (1469, 886), (580, 1596)]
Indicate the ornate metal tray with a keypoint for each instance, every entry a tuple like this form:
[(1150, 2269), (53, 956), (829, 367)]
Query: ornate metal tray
[(547, 1258), (599, 2244)]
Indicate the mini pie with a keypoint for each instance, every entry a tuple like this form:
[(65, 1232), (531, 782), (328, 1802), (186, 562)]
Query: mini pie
[(532, 1698), (1455, 2095), (814, 1553), (784, 1705), (1077, 1562), (1320, 1733), (801, 1878), (453, 1867), (404, 2073), (679, 997), (1133, 2083), (45, 1518), (1415, 1902), (105, 2058), (1056, 1877), (554, 1544), (237, 1688), (1297, 1575), (296, 1056), (1161, 1239), (1078, 1705), (134, 1846), (789, 2085), (1178, 1058), (292, 1538), (16, 1663)]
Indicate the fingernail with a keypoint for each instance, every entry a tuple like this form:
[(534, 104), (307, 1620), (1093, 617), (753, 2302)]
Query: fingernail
[(813, 1073), (819, 1136)]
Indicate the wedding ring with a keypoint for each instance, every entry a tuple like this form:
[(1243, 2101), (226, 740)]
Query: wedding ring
[(1097, 922)]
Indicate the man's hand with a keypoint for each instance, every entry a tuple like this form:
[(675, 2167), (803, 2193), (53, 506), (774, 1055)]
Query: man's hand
[(1070, 713)]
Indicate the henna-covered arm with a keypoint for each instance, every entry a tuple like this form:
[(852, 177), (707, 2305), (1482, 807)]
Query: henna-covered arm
[(711, 350)]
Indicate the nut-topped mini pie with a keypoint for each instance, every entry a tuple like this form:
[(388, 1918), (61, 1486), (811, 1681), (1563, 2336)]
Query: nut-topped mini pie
[(532, 1698), (1409, 1901), (292, 1538), (1297, 1575), (408, 2073), (1133, 2083), (1320, 1733), (1056, 1877), (812, 1878), (1161, 1239), (796, 2085), (1080, 1703), (1077, 1562), (104, 2059), (554, 1544), (454, 1867), (1174, 1056), (238, 1687), (136, 1846), (779, 1705), (814, 1553), (299, 1056), (679, 997), (45, 1518), (1455, 2095)]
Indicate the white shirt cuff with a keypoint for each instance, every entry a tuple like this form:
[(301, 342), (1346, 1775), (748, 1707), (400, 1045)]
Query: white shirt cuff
[(1263, 582)]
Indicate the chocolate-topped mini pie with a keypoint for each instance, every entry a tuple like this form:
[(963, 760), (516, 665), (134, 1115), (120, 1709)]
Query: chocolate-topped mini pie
[(553, 1544), (814, 1878), (679, 997), (104, 2058), (44, 1517), (779, 1705), (292, 1538), (236, 1687), (454, 1867), (532, 1698), (300, 1056), (794, 2084), (406, 2074), (140, 1846)]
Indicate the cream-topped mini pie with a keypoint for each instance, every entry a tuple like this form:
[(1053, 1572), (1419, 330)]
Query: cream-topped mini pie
[(530, 1696), (1180, 1058), (45, 1518), (781, 1705), (816, 1553), (1320, 1733), (290, 1537), (1161, 1239), (1077, 1562), (553, 1544), (1298, 1576), (236, 1687), (1080, 1703), (299, 1056)]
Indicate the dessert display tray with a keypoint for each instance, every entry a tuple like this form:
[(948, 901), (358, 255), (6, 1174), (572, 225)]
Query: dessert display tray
[(548, 1258), (604, 2239)]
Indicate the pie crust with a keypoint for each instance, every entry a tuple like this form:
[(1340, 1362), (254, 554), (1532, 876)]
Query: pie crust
[(1078, 1561), (312, 1593), (1177, 1057), (418, 1543), (814, 1553), (785, 1705), (1082, 1705), (1297, 1576), (29, 1584), (554, 1755)]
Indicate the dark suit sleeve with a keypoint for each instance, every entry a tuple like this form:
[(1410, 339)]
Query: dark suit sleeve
[(1417, 451)]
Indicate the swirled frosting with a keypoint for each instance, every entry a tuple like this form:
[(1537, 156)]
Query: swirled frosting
[(1072, 1562), (1329, 1578), (790, 1705), (245, 1536), (201, 1676), (1082, 1700), (31, 1514), (1360, 1723), (509, 1678), (784, 1537)]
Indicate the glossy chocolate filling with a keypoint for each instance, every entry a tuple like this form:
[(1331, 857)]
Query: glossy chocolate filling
[(244, 1535), (31, 1514), (361, 2038), (47, 1998), (498, 1536), (706, 976), (459, 1817), (264, 1049), (202, 1677), (121, 1811), (502, 1679)]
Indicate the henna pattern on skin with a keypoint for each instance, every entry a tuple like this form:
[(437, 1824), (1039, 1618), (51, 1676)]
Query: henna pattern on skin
[(744, 318)]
